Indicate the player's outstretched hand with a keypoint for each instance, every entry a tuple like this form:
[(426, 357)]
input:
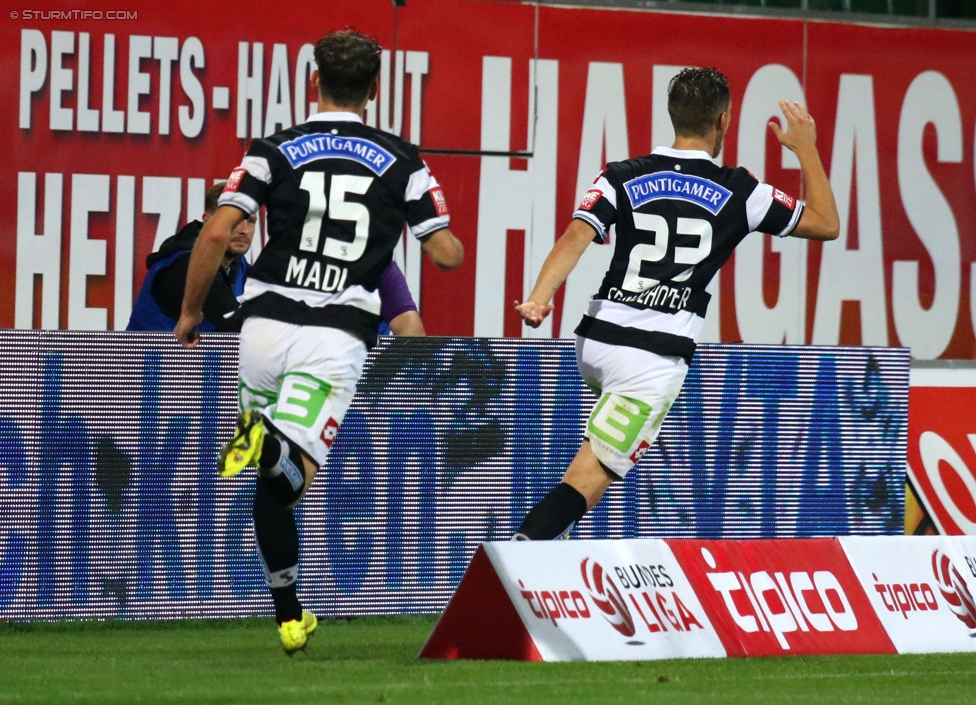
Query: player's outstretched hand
[(801, 130), (187, 330), (532, 313)]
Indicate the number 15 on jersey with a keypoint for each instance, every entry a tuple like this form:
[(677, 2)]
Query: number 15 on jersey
[(337, 208)]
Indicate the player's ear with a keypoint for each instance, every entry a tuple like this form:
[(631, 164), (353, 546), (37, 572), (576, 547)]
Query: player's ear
[(315, 79), (723, 122), (374, 89)]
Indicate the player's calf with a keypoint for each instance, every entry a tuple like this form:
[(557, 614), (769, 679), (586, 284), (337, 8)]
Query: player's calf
[(282, 466)]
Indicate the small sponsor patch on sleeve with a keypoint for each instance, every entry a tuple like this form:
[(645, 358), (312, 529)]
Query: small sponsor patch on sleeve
[(440, 203), (590, 199), (784, 198), (234, 180)]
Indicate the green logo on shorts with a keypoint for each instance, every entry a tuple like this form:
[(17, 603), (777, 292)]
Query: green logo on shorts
[(301, 399), (618, 420)]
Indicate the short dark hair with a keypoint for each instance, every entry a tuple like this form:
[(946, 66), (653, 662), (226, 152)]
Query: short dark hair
[(213, 195), (348, 63), (696, 97)]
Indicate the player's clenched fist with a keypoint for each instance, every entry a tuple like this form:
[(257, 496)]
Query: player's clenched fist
[(532, 313), (801, 130)]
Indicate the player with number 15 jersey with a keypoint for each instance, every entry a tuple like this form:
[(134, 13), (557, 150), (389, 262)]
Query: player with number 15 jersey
[(337, 194)]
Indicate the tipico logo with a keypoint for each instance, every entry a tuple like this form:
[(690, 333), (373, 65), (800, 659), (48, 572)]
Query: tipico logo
[(954, 589), (606, 596)]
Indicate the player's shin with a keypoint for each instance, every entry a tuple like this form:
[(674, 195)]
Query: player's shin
[(281, 465), (554, 515), (277, 541)]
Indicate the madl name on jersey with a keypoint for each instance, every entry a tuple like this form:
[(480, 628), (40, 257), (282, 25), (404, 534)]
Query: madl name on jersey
[(681, 187), (330, 278), (309, 148)]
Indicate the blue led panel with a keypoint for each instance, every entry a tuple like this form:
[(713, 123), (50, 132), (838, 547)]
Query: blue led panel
[(110, 505)]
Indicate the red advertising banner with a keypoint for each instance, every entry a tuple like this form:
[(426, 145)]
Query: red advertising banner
[(942, 446), (117, 120), (782, 597)]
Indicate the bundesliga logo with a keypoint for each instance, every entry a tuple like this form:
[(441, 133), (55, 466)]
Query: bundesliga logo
[(605, 595), (955, 590)]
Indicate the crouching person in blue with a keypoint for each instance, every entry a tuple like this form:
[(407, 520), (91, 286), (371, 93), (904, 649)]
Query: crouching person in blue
[(161, 298)]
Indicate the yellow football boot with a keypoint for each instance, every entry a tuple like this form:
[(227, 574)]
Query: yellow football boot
[(244, 448), (294, 634)]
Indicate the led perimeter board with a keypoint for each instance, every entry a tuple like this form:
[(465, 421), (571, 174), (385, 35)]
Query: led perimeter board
[(110, 505)]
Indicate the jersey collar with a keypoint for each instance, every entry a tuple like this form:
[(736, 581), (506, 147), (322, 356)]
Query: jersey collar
[(335, 117), (682, 153)]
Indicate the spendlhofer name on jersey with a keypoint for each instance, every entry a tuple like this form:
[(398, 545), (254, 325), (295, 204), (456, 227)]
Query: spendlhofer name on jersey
[(659, 296), (332, 278)]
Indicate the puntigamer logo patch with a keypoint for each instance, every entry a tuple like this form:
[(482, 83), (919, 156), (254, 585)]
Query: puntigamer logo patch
[(681, 187), (309, 148)]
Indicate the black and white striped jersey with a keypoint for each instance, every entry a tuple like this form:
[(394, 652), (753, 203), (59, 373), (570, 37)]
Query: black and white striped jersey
[(337, 194), (678, 217)]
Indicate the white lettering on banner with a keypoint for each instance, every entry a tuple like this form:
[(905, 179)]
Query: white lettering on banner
[(418, 64), (112, 120), (250, 78), (38, 253), (62, 80), (192, 56), (604, 139), (278, 115), (304, 65), (937, 454), (789, 609), (33, 71), (140, 48), (125, 204), (87, 118), (394, 124), (166, 50), (84, 118), (927, 330), (510, 199), (845, 274), (785, 321), (89, 194), (162, 196)]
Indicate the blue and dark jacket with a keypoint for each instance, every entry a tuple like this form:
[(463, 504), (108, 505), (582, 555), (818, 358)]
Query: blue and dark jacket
[(157, 307)]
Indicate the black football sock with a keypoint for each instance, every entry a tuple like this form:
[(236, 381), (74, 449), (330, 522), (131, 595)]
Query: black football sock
[(282, 466), (554, 514), (277, 538)]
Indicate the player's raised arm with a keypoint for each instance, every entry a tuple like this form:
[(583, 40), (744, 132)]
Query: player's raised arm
[(558, 265), (444, 249), (208, 251), (819, 220)]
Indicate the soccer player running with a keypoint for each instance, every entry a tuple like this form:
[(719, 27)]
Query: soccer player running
[(337, 194), (678, 217)]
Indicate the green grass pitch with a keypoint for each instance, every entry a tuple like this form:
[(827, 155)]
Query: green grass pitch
[(374, 660)]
